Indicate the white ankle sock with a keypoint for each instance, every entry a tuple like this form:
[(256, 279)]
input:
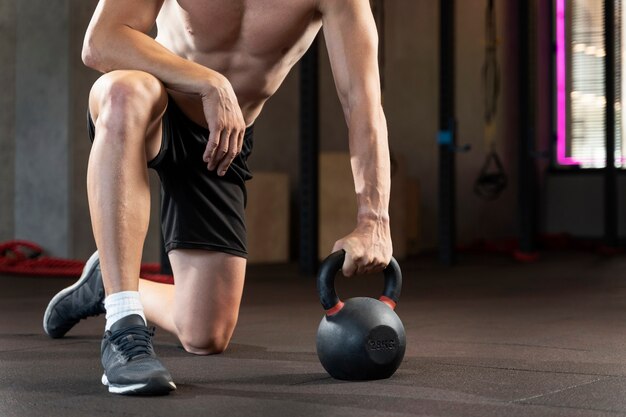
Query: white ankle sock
[(122, 304)]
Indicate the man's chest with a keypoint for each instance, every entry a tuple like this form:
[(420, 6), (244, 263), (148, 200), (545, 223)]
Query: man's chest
[(259, 26)]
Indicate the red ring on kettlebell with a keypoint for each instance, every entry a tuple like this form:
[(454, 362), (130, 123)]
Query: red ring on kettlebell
[(388, 301), (336, 309)]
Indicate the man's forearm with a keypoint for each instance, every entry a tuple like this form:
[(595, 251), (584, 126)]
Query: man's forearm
[(118, 47), (369, 153)]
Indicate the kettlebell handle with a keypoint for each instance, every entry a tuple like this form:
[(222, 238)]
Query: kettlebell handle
[(326, 283)]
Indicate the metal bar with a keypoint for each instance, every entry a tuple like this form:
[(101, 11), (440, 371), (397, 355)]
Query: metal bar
[(551, 59), (527, 178), (309, 169), (447, 166), (610, 171)]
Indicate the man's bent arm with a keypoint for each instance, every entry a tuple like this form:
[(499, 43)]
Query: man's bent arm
[(352, 41), (117, 39)]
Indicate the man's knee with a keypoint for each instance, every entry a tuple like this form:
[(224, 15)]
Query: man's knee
[(127, 96), (206, 342)]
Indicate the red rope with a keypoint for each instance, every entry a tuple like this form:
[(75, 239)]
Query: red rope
[(19, 257)]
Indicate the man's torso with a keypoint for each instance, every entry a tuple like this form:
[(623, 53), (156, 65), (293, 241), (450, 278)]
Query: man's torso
[(253, 43)]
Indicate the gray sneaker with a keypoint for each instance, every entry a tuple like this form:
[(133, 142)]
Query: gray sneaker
[(130, 364), (84, 298)]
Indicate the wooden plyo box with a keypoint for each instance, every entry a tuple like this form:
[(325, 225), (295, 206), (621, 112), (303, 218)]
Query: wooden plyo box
[(338, 205), (267, 218)]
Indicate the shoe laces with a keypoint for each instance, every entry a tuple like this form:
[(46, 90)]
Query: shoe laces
[(133, 342)]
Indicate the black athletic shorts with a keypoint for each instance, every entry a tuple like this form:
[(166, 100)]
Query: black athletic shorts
[(199, 209)]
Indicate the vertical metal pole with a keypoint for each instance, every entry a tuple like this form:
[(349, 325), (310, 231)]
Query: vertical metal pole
[(610, 172), (551, 58), (527, 182), (447, 140), (309, 169)]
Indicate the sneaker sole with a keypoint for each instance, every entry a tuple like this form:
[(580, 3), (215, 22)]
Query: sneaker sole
[(64, 292), (152, 387)]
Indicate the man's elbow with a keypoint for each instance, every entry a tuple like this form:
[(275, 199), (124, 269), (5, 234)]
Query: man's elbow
[(90, 55), (91, 52)]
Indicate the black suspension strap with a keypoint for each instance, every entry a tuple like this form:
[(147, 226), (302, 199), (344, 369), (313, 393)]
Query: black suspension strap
[(492, 179)]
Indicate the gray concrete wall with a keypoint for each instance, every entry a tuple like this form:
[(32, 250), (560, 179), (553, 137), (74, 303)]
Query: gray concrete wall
[(8, 27), (81, 79), (42, 160), (43, 136)]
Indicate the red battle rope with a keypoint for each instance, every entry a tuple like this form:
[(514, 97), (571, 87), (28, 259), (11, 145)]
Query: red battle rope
[(19, 257)]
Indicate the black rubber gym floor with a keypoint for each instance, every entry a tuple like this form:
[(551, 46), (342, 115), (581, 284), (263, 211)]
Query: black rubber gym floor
[(488, 338)]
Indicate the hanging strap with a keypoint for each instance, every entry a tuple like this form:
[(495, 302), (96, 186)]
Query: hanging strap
[(492, 179), (491, 76)]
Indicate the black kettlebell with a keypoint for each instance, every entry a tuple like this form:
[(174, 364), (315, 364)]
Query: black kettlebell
[(361, 338)]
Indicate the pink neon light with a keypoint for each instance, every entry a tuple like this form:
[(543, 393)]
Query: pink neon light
[(561, 86)]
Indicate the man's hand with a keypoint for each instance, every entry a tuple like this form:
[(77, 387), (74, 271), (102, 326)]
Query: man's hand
[(226, 126), (368, 248)]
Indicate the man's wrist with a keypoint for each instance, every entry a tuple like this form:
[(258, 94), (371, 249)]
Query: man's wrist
[(373, 217), (212, 84)]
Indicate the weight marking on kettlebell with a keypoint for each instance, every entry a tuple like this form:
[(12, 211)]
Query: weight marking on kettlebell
[(389, 344)]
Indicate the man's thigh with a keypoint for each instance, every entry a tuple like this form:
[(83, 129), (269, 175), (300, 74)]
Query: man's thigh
[(208, 290)]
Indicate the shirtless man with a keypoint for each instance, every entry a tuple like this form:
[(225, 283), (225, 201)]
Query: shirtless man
[(184, 104)]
